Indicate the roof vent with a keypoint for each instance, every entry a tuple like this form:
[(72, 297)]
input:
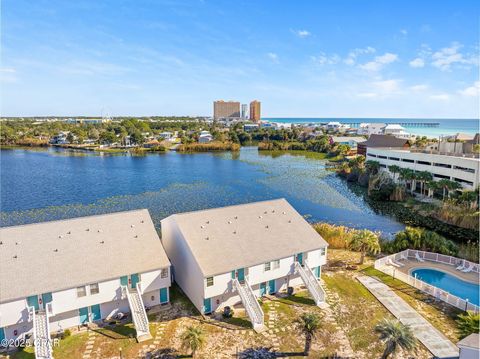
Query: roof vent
[(55, 250), (60, 236), (15, 256), (202, 226), (17, 243), (229, 222), (69, 232), (87, 229), (265, 212), (273, 211), (259, 216), (207, 238), (1, 242), (102, 242), (236, 217), (234, 232), (266, 226), (208, 222), (132, 225), (289, 221), (99, 231), (136, 236), (142, 221), (284, 212)]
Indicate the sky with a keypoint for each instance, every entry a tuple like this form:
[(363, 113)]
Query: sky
[(344, 58)]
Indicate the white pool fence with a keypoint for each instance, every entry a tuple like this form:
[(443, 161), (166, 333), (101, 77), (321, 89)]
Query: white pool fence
[(384, 265)]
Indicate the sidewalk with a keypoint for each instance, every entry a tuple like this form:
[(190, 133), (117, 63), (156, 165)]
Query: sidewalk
[(435, 341)]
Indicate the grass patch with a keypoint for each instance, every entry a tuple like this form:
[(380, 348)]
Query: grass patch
[(71, 347), (178, 297), (441, 315)]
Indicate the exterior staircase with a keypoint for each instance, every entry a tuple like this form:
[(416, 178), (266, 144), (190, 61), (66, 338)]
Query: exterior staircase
[(139, 315), (311, 282), (41, 334), (250, 302)]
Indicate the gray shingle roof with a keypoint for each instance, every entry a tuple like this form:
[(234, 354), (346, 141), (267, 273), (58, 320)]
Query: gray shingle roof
[(384, 141), (51, 256), (472, 341), (228, 238)]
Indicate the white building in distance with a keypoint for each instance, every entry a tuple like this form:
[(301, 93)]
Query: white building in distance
[(68, 273), (235, 254)]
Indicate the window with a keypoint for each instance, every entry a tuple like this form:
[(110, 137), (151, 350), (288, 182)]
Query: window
[(276, 264), (471, 170), (164, 273), (408, 160), (81, 291), (394, 158), (94, 288), (384, 157), (442, 165), (441, 176), (371, 155), (209, 281), (459, 180), (267, 266), (322, 251), (424, 163)]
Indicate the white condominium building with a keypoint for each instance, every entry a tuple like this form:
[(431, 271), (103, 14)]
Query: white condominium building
[(463, 169), (225, 256), (62, 274)]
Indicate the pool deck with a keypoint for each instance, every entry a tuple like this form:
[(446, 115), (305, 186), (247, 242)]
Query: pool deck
[(435, 341), (411, 264)]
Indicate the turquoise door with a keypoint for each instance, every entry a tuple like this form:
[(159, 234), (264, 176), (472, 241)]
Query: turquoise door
[(2, 335), (271, 287), (207, 306), (124, 280), (95, 309), (33, 301), (46, 298), (134, 279), (241, 274), (163, 295), (300, 258), (263, 289), (317, 272), (83, 313)]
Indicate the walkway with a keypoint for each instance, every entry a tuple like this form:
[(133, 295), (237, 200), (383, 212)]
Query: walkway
[(435, 341)]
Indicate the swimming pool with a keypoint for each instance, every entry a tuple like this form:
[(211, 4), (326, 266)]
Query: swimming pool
[(449, 283)]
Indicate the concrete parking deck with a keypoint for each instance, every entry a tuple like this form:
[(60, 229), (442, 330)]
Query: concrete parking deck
[(435, 341)]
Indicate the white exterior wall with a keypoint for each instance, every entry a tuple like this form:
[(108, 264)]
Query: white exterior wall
[(452, 173), (65, 304), (186, 272), (469, 353)]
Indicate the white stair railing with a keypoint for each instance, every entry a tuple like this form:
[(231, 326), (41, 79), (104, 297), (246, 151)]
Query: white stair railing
[(139, 315), (41, 333), (311, 283), (249, 300)]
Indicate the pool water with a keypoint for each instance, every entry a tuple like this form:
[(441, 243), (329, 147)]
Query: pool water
[(449, 283)]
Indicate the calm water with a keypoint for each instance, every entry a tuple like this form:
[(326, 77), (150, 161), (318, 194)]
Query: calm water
[(450, 284), (446, 127), (53, 184)]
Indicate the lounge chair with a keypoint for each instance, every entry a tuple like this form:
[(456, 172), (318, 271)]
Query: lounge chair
[(403, 257), (467, 269), (417, 257), (392, 263), (461, 266)]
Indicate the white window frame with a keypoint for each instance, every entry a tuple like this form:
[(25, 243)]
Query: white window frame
[(164, 273), (94, 291), (81, 288), (276, 264), (267, 266), (323, 251), (209, 281)]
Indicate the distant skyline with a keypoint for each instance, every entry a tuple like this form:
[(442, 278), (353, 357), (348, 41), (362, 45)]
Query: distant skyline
[(368, 59)]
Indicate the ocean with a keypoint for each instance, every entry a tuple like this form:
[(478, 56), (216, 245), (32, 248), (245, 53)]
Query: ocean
[(446, 126)]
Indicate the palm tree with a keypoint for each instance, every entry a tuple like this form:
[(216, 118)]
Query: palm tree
[(394, 169), (448, 186), (372, 166), (407, 175), (310, 323), (193, 338), (395, 334), (468, 323), (431, 186), (424, 177), (364, 241)]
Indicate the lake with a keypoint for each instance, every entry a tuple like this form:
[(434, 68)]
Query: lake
[(47, 184)]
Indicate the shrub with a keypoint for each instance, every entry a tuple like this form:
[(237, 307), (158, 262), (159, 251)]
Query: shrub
[(468, 323), (336, 236)]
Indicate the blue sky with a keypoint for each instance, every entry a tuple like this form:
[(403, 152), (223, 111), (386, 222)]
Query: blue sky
[(300, 58)]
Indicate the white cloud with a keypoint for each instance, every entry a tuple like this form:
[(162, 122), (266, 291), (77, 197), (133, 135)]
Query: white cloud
[(302, 33), (8, 75), (8, 70), (472, 91), (352, 55), (324, 59), (379, 62), (273, 56), (418, 62), (387, 86), (440, 97), (419, 88), (404, 32), (448, 56)]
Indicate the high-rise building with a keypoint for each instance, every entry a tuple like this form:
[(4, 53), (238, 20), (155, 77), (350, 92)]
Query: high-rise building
[(244, 110), (255, 111), (226, 109)]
